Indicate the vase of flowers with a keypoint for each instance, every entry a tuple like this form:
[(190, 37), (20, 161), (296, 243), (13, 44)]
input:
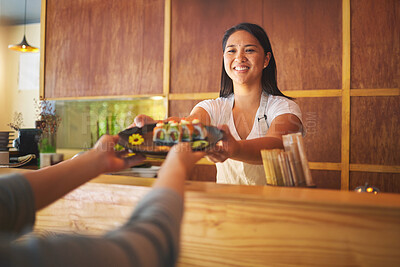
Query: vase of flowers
[(48, 122)]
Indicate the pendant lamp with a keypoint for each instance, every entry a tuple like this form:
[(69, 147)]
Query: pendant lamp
[(23, 46)]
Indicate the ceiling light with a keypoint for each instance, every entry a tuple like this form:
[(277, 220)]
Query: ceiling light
[(23, 46)]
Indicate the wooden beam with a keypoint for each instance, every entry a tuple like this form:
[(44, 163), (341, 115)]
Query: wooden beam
[(193, 96), (345, 146), (314, 93), (42, 48), (330, 166), (294, 93), (375, 92), (115, 97), (374, 168), (167, 53)]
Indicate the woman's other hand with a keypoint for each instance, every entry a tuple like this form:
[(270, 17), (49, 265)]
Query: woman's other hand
[(228, 147), (141, 120), (109, 160)]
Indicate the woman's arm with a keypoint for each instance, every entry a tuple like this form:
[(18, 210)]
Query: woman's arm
[(51, 183), (249, 150), (201, 114)]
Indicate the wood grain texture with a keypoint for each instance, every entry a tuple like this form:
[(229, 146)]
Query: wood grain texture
[(322, 119), (306, 41), (103, 48), (194, 96), (197, 30), (375, 44), (206, 173), (375, 130), (42, 48), (386, 182), (375, 92), (227, 225), (167, 48), (375, 168), (326, 179), (345, 138), (181, 108)]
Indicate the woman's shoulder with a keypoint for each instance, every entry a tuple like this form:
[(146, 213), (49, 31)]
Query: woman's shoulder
[(217, 102), (277, 100), (280, 105)]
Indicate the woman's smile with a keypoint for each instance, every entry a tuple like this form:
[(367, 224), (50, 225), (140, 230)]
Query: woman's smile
[(241, 68)]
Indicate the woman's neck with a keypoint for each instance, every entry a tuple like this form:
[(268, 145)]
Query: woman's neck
[(246, 97)]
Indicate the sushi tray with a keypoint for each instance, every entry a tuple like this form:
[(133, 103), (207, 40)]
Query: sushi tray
[(158, 138)]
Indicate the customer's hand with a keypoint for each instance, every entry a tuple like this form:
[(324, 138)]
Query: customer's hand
[(228, 147), (182, 155), (141, 120), (177, 167), (109, 160)]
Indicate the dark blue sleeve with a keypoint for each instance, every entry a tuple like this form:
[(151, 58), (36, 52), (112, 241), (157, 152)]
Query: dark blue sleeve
[(17, 205), (149, 238)]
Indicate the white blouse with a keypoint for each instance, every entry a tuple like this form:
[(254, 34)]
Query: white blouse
[(220, 111)]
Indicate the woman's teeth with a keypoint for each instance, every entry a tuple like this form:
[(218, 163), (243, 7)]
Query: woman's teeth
[(241, 68)]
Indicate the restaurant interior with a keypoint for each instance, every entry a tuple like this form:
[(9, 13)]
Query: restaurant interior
[(101, 63)]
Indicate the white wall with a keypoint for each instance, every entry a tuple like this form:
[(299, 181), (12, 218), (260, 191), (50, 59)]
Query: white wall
[(11, 99)]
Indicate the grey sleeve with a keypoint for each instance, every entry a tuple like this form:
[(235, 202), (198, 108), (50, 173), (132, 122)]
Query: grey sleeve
[(17, 205), (149, 238)]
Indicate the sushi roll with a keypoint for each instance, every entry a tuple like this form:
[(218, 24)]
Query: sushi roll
[(199, 132), (173, 133), (160, 133), (186, 131)]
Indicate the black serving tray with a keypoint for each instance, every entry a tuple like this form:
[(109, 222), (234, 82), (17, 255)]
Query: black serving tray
[(150, 148)]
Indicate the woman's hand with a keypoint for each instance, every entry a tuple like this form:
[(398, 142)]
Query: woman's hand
[(141, 120), (108, 159), (228, 147)]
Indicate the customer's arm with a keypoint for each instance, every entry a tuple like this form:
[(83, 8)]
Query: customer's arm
[(51, 183), (149, 238), (21, 195)]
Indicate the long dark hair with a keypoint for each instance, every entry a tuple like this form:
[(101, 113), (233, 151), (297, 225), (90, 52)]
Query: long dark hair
[(268, 79)]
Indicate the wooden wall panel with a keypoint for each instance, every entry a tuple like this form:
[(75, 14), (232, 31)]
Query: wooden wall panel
[(375, 44), (200, 172), (104, 48), (326, 179), (204, 173), (386, 182), (196, 42), (306, 37), (181, 108), (322, 119), (375, 131)]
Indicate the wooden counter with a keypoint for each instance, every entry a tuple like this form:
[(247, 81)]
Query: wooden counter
[(230, 225)]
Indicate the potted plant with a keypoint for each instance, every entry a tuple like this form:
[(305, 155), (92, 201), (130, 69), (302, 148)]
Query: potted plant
[(27, 141), (48, 122)]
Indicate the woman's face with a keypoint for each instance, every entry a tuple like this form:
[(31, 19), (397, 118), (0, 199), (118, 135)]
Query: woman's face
[(244, 59)]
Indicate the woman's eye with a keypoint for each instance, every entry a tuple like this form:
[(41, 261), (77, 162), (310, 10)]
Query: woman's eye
[(231, 51), (250, 50)]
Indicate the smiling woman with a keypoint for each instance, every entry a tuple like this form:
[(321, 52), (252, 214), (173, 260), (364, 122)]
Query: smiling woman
[(254, 112), (251, 110)]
